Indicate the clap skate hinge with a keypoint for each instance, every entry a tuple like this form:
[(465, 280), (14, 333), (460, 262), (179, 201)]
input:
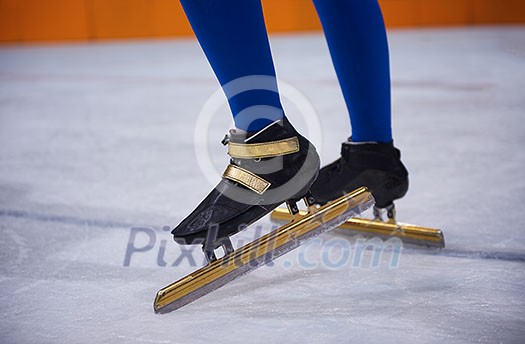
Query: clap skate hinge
[(212, 244), (389, 210), (308, 200)]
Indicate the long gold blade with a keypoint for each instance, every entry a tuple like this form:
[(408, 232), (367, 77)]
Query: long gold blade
[(261, 251), (408, 233)]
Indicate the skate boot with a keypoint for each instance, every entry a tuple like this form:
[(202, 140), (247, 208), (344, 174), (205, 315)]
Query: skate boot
[(375, 165), (267, 168)]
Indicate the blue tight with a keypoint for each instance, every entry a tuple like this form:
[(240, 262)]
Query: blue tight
[(233, 36)]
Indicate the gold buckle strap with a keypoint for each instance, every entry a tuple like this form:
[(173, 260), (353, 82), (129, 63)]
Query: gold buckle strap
[(246, 178), (263, 150)]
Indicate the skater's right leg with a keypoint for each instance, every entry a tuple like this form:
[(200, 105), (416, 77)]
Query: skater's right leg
[(356, 37), (232, 34)]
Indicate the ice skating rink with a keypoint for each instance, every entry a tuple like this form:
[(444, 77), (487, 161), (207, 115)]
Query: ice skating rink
[(97, 139)]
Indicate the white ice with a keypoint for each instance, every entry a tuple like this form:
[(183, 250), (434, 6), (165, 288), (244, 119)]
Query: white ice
[(98, 138)]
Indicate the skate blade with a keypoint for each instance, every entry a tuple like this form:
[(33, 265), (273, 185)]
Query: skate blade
[(410, 234), (262, 250)]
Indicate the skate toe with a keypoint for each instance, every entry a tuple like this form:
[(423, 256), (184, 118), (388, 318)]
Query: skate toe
[(202, 220)]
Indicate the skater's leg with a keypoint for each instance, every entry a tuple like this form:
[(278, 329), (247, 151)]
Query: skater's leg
[(270, 162), (356, 36), (357, 40), (233, 36)]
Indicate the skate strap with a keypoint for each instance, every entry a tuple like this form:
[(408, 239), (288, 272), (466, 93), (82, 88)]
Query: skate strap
[(264, 149), (246, 178)]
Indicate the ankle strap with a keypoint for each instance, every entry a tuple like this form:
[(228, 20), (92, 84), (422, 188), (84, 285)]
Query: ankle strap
[(264, 149), (246, 178)]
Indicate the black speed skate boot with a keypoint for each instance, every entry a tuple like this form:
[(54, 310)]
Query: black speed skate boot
[(377, 166), (266, 168)]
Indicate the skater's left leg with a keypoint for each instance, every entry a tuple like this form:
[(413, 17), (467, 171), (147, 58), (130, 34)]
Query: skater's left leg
[(356, 36)]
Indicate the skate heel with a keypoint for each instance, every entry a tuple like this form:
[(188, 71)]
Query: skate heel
[(306, 193)]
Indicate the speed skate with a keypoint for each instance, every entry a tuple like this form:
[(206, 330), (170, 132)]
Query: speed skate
[(384, 227), (301, 227)]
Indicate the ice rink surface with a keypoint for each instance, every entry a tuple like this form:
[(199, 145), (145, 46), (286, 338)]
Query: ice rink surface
[(97, 139)]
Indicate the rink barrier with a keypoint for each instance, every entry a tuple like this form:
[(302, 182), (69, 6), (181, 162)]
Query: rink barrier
[(92, 20)]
